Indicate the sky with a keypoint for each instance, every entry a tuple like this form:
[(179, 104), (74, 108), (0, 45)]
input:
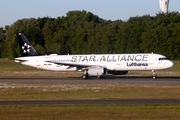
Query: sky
[(13, 10)]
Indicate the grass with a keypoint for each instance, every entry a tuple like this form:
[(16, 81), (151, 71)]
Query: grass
[(31, 91), (90, 112)]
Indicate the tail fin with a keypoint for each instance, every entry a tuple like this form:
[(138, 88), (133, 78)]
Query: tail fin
[(25, 46)]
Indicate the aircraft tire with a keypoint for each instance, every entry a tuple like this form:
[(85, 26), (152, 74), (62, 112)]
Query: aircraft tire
[(100, 77), (85, 76)]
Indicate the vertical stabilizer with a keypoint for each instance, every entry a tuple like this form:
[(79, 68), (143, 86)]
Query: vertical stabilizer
[(25, 46)]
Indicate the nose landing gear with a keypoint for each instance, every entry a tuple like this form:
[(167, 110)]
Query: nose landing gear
[(154, 74)]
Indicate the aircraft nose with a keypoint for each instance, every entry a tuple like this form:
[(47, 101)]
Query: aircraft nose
[(170, 64)]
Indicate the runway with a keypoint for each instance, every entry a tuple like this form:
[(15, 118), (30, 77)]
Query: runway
[(107, 80), (96, 101)]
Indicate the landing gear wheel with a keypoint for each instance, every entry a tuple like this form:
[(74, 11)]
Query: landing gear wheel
[(101, 77), (85, 76)]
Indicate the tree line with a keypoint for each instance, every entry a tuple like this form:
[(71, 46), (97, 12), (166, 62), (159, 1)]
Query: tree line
[(82, 32)]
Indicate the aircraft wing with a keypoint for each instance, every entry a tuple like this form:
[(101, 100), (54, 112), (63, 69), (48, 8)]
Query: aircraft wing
[(71, 65)]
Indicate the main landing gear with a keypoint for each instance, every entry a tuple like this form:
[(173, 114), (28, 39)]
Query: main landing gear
[(154, 74), (86, 75)]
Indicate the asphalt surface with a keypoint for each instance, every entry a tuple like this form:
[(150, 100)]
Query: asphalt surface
[(97, 101), (109, 80), (106, 80)]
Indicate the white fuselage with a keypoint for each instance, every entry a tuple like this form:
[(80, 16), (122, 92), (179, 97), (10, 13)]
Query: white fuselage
[(109, 61)]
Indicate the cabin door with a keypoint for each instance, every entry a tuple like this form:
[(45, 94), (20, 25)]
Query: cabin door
[(38, 63)]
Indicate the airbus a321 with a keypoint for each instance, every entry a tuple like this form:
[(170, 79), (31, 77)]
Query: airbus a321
[(91, 64)]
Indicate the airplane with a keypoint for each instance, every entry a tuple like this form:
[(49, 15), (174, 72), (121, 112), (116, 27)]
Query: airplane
[(91, 64)]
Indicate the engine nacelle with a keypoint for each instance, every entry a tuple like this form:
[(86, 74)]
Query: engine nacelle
[(96, 71), (113, 72)]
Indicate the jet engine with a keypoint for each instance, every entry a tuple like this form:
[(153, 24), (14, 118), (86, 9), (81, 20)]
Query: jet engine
[(113, 72), (97, 71)]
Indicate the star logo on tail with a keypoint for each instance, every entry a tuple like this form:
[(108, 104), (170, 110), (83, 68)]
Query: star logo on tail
[(26, 48)]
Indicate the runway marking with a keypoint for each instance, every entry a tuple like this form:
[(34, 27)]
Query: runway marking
[(96, 101)]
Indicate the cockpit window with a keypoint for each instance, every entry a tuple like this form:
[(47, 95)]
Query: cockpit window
[(163, 59)]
